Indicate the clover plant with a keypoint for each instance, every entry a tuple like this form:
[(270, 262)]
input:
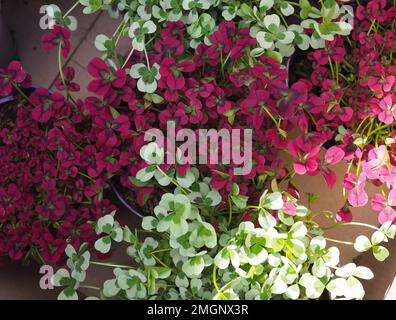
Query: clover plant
[(199, 246), (269, 21)]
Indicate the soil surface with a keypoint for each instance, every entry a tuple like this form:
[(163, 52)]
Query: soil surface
[(7, 115)]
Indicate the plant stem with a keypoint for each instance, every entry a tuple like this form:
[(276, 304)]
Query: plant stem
[(147, 58), (185, 190), (229, 211), (20, 91), (86, 176), (361, 123), (60, 67), (282, 17), (118, 28), (332, 69), (271, 116), (90, 287), (379, 129), (62, 76), (111, 265), (163, 264), (341, 224), (71, 9), (161, 250), (128, 57), (119, 35), (339, 241), (39, 256), (214, 276)]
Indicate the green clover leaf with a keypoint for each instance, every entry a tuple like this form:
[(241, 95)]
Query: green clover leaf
[(137, 32), (133, 283), (172, 212), (62, 278), (313, 286), (147, 77), (194, 266), (271, 201), (203, 234)]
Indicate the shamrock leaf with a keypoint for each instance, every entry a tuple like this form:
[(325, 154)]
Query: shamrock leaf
[(194, 266), (145, 252), (313, 286), (105, 45), (203, 234), (138, 31), (112, 229), (230, 11), (57, 18), (133, 283), (286, 8), (293, 292), (266, 4), (172, 212), (301, 39), (62, 278), (227, 255), (240, 201), (188, 178), (152, 153), (380, 253), (147, 77), (353, 289), (78, 262), (362, 244), (271, 201)]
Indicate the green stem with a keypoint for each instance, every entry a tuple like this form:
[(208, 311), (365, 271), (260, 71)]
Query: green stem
[(86, 176), (360, 224), (271, 116), (282, 17), (229, 211), (71, 9), (253, 207), (361, 123), (39, 256), (348, 64), (332, 69), (60, 67), (62, 76), (379, 129), (127, 59), (20, 91), (339, 241), (118, 28), (90, 287), (111, 265), (163, 263), (147, 58), (161, 250), (214, 278), (119, 35), (185, 190)]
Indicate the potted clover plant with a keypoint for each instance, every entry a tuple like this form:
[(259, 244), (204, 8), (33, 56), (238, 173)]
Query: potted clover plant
[(271, 249), (355, 77), (46, 196), (269, 22)]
